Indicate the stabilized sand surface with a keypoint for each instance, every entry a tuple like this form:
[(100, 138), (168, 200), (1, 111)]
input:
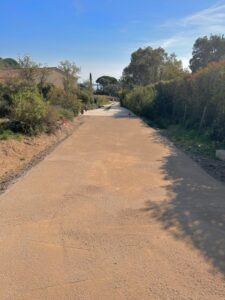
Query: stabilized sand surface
[(115, 212), (14, 154)]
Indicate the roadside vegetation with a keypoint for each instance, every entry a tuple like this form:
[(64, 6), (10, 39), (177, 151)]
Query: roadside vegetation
[(31, 105), (188, 107), (191, 141), (9, 135)]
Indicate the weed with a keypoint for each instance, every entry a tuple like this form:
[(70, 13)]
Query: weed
[(9, 135)]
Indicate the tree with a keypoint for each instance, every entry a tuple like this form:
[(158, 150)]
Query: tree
[(91, 81), (172, 68), (91, 88), (8, 63), (207, 50), (150, 65), (103, 81), (108, 85), (71, 72), (29, 68), (145, 66), (43, 85)]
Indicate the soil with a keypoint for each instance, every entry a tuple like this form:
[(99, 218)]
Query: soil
[(18, 157)]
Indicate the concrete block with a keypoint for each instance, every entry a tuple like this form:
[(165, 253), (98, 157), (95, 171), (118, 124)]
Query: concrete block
[(220, 154)]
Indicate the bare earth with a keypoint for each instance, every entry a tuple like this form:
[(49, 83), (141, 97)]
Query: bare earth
[(14, 154), (115, 212)]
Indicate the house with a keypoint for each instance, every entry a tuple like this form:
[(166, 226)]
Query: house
[(52, 75)]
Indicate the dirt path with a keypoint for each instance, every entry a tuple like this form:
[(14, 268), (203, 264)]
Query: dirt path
[(114, 212)]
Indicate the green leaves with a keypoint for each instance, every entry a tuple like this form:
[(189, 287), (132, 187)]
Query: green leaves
[(207, 50), (29, 109)]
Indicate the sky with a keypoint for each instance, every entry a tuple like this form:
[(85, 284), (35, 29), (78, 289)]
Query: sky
[(100, 35)]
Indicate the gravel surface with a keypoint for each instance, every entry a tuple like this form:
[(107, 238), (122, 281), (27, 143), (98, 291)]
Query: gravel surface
[(114, 212)]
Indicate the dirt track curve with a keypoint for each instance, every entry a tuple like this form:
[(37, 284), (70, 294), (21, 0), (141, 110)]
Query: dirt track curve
[(115, 212)]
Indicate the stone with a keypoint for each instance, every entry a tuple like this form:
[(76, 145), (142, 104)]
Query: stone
[(220, 154)]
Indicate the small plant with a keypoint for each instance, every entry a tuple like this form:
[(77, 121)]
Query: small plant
[(65, 100), (140, 99), (192, 140), (65, 114), (8, 135), (30, 110), (51, 119)]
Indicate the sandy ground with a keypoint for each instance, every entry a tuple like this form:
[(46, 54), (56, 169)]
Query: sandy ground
[(115, 212), (15, 154), (111, 110)]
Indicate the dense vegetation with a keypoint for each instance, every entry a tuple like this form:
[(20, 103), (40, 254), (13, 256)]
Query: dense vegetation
[(193, 102), (8, 63), (31, 104), (207, 50), (107, 85), (149, 66)]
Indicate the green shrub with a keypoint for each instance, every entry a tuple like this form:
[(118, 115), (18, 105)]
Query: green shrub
[(51, 119), (140, 100), (8, 135), (56, 96), (101, 100), (30, 110), (72, 103), (69, 101), (4, 108), (65, 114), (192, 140), (85, 96), (196, 101), (7, 93)]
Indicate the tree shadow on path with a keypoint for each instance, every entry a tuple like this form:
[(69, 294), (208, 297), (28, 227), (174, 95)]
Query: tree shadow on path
[(195, 208)]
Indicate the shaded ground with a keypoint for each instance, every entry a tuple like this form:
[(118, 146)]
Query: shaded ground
[(115, 212), (215, 167)]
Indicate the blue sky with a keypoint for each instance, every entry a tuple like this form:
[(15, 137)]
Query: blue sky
[(100, 35)]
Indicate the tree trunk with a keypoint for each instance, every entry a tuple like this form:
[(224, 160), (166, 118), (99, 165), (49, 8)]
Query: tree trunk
[(185, 113), (203, 118)]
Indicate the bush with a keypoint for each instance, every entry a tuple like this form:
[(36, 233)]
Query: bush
[(101, 100), (4, 108), (195, 102), (30, 110), (65, 114), (69, 101), (51, 119), (72, 103), (8, 135), (56, 96), (84, 95), (7, 93), (140, 100)]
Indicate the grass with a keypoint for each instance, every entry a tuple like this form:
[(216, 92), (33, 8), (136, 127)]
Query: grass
[(193, 141), (10, 135)]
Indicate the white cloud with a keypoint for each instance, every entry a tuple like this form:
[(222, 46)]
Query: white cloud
[(164, 43), (209, 20), (214, 15), (186, 30)]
